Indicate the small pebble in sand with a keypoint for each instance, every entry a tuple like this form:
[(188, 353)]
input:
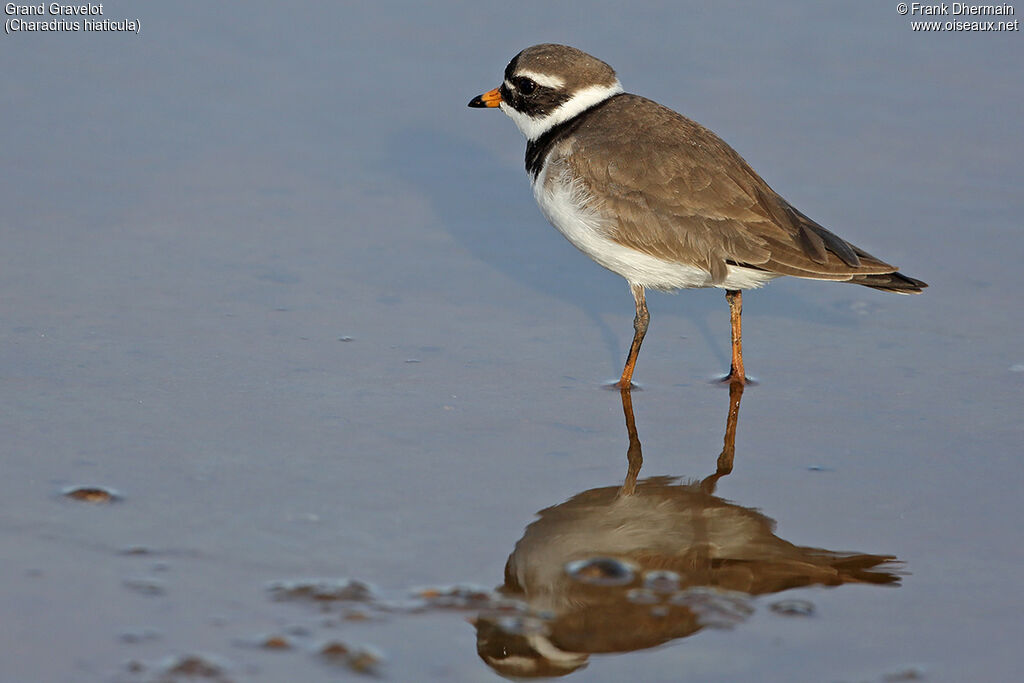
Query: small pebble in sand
[(91, 494)]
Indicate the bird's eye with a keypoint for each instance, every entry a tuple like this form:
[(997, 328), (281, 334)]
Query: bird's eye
[(525, 85)]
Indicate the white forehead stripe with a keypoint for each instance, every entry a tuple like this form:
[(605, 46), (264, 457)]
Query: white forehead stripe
[(546, 80), (534, 127)]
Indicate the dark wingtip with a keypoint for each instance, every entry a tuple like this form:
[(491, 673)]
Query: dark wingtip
[(909, 284), (897, 283), (920, 284)]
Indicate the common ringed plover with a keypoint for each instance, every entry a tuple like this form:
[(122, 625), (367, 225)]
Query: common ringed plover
[(659, 199)]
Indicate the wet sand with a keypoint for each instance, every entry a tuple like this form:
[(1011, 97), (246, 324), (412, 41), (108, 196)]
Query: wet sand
[(286, 310)]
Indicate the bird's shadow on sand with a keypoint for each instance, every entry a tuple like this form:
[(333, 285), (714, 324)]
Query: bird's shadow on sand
[(487, 206)]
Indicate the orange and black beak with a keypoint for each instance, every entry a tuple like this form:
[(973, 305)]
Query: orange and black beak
[(491, 98)]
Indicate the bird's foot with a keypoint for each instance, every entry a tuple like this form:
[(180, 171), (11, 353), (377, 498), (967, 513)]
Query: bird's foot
[(736, 378)]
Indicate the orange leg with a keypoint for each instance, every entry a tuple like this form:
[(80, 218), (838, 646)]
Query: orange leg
[(725, 458), (729, 442), (634, 455), (736, 373), (639, 330)]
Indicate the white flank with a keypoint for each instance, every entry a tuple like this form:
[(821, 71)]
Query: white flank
[(577, 215), (583, 99), (546, 652)]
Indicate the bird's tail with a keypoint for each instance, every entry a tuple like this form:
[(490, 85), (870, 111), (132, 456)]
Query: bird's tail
[(891, 282)]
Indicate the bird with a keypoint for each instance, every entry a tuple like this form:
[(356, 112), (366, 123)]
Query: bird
[(659, 199)]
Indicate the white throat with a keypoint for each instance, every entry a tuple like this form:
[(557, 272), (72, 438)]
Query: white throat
[(534, 127)]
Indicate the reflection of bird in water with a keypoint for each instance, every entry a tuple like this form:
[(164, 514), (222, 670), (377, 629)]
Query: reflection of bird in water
[(628, 567)]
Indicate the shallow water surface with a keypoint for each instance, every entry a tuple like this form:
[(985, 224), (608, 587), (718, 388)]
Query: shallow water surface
[(296, 383)]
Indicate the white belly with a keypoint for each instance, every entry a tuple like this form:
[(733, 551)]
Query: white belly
[(575, 214)]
